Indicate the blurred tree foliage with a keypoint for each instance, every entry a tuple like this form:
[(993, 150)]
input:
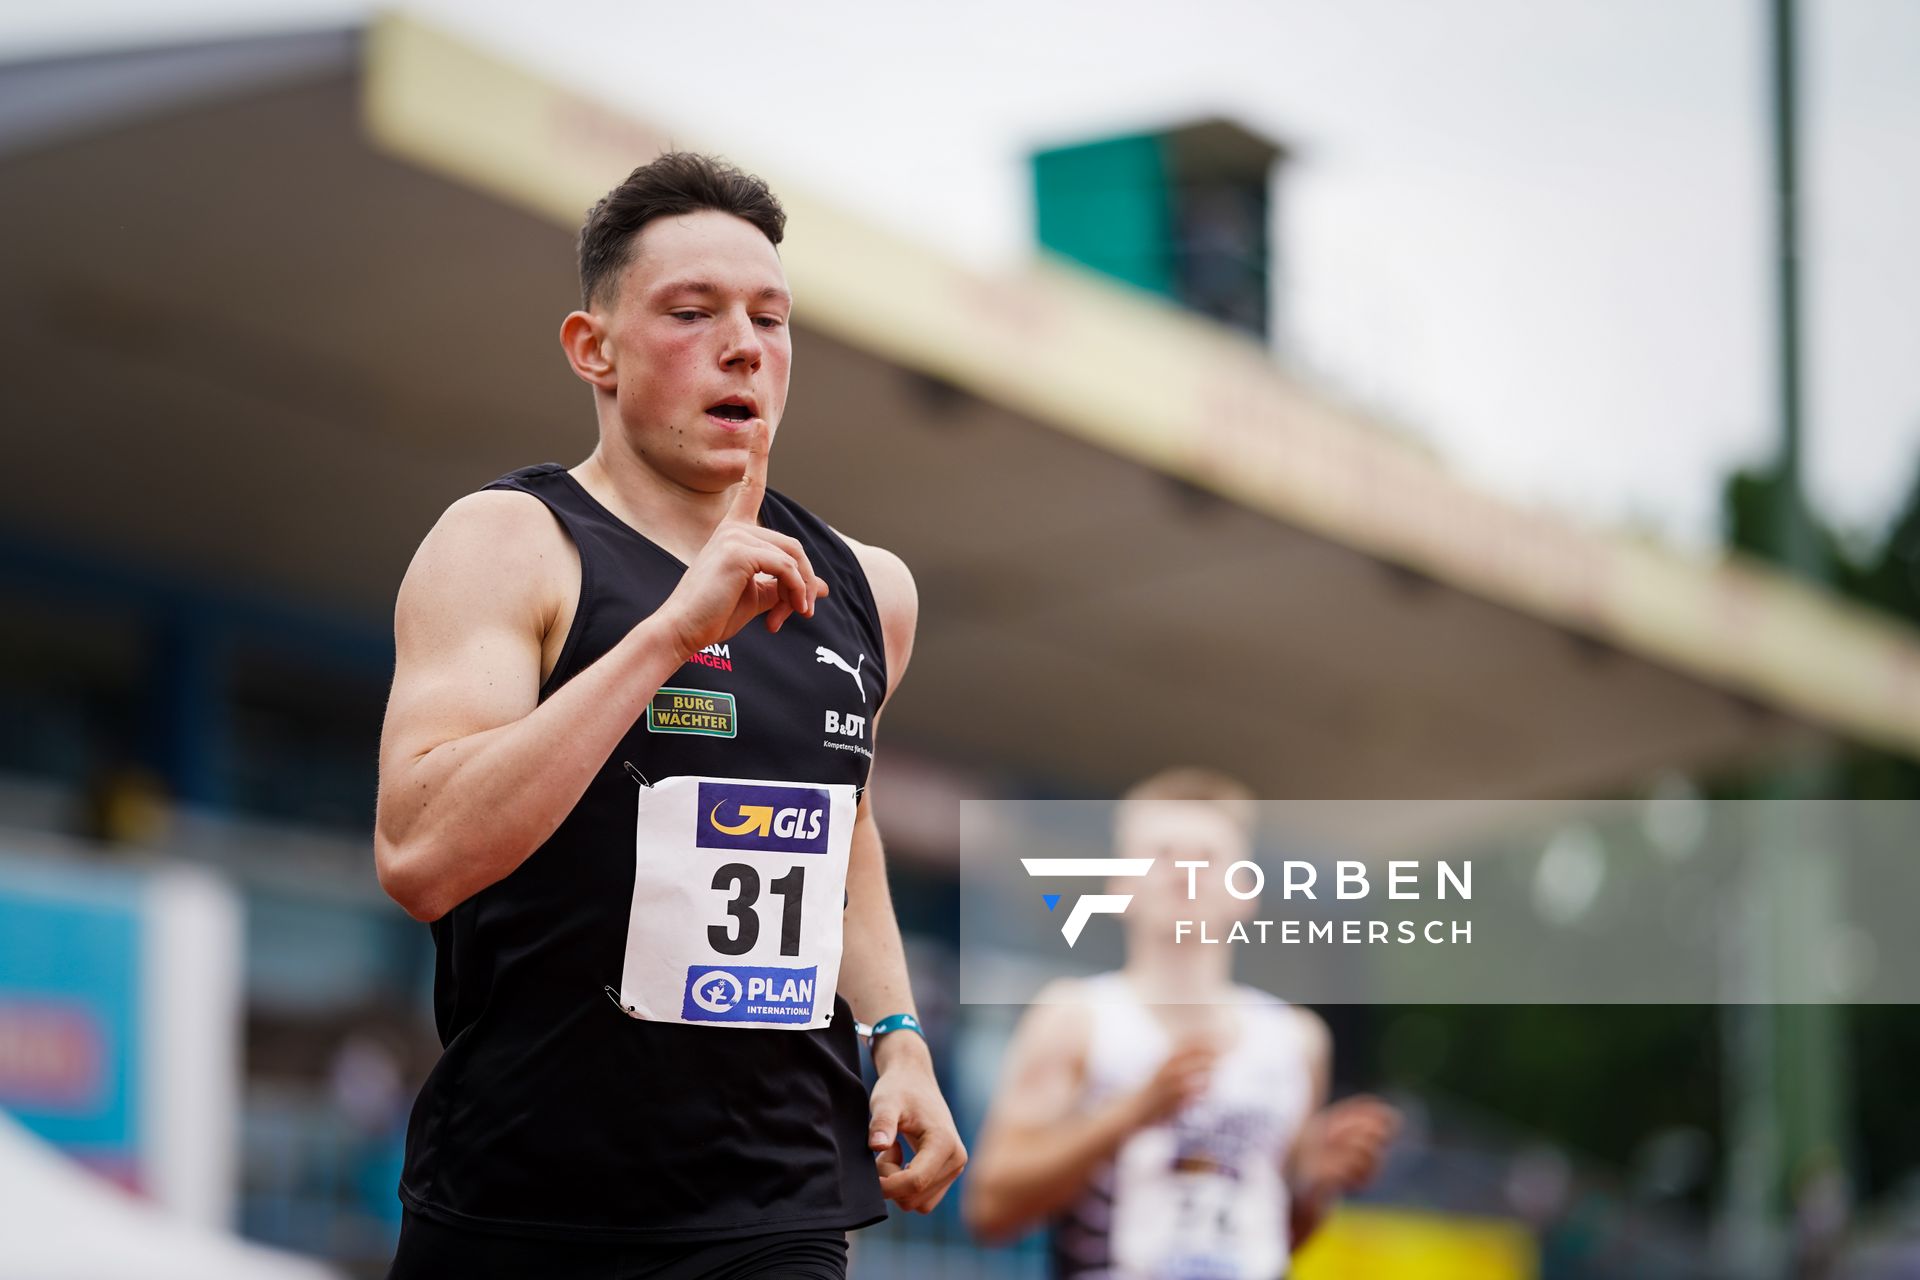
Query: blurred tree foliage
[(1604, 1081), (1885, 576), (1884, 1040)]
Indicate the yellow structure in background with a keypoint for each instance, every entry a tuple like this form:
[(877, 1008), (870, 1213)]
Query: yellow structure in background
[(1367, 1244)]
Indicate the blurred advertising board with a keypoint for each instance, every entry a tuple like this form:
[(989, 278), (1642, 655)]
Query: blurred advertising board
[(1363, 1243), (120, 1005)]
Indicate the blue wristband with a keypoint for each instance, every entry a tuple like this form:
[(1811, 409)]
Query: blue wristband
[(889, 1024)]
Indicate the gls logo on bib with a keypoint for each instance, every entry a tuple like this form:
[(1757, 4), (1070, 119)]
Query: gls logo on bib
[(744, 817)]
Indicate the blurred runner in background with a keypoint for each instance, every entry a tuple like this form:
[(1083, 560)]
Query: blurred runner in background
[(1165, 1122)]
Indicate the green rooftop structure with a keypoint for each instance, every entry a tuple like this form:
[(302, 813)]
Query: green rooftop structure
[(1182, 212)]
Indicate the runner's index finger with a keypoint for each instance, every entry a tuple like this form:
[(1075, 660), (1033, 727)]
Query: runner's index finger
[(752, 486)]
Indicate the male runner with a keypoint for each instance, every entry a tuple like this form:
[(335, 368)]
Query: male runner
[(623, 776), (1169, 1124)]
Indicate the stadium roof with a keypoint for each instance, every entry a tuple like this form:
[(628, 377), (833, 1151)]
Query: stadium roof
[(274, 302)]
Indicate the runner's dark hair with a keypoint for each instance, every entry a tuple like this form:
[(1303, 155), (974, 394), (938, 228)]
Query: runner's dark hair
[(675, 183)]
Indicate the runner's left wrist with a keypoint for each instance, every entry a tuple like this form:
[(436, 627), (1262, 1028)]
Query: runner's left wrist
[(901, 1051), (895, 1039)]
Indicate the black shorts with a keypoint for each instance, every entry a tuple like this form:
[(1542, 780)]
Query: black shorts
[(431, 1250)]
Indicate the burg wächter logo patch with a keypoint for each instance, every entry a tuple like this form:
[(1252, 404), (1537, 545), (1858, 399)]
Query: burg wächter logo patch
[(700, 711)]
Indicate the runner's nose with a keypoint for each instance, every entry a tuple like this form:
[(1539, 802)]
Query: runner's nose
[(744, 346)]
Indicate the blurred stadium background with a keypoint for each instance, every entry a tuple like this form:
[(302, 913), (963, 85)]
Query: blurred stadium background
[(271, 302)]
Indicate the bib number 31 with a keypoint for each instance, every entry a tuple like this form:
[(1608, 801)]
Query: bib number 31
[(743, 933)]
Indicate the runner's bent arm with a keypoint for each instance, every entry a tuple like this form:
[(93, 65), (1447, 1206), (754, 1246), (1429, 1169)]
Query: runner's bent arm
[(475, 771), (1308, 1203), (1038, 1150), (907, 1102), (1034, 1155), (1340, 1147), (873, 967)]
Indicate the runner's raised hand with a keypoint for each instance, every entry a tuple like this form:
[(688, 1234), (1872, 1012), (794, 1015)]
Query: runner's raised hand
[(743, 571)]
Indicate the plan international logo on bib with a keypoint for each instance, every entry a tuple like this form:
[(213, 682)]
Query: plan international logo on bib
[(745, 817), (743, 993)]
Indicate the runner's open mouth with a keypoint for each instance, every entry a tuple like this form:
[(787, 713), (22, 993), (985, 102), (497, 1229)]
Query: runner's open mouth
[(731, 412)]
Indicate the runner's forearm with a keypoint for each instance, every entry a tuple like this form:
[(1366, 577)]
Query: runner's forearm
[(1028, 1176), (873, 963), (467, 813)]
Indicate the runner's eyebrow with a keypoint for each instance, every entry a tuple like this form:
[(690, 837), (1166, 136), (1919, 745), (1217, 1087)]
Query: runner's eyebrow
[(709, 289)]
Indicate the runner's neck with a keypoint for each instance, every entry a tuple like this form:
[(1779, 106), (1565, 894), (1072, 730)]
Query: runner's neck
[(678, 519), (1168, 973)]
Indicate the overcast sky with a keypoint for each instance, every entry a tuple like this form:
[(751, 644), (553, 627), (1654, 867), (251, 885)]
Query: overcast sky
[(1535, 232)]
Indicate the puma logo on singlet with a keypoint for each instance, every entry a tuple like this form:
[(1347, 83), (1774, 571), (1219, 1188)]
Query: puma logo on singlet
[(825, 654)]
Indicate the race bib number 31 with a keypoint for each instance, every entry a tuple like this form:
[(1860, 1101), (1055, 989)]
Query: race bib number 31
[(738, 892)]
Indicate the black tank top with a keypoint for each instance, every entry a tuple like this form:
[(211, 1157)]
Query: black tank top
[(551, 1111)]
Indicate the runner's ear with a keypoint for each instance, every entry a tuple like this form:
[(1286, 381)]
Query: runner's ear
[(584, 339)]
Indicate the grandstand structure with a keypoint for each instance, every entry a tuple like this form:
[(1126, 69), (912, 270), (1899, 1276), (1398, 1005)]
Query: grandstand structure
[(275, 302)]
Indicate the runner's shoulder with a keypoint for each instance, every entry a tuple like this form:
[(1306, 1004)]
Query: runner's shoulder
[(1061, 1014), (895, 596), (1312, 1028), (499, 546), (887, 575)]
